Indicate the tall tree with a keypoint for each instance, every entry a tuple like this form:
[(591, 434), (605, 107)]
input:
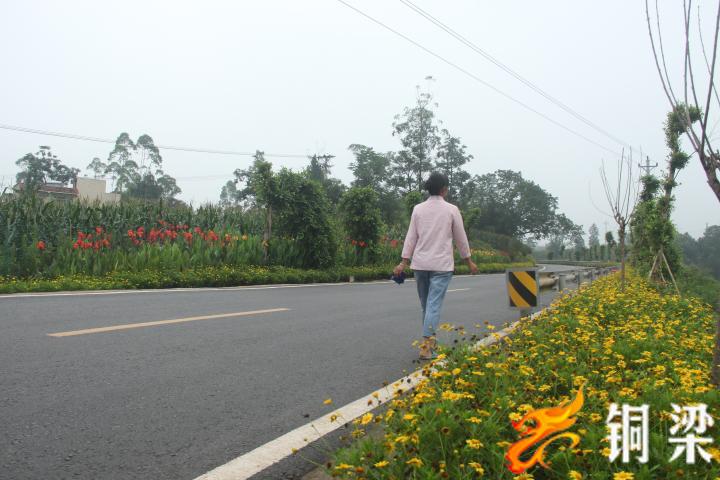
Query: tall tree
[(451, 157), (418, 134), (121, 166), (97, 167), (136, 168)]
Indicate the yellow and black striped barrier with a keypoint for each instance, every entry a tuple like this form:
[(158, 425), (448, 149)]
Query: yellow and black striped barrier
[(522, 286)]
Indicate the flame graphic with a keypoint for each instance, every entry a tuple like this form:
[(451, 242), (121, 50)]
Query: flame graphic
[(548, 421)]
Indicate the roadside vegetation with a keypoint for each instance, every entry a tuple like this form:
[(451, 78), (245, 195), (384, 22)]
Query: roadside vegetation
[(637, 346)]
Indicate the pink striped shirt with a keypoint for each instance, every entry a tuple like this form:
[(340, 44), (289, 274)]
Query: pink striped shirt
[(433, 226)]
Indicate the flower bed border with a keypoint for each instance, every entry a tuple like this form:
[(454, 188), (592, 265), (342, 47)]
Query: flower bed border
[(215, 277)]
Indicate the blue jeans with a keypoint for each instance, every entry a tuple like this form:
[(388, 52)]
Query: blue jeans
[(431, 288)]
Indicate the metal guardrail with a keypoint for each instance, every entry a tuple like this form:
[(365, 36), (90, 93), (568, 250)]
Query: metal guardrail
[(562, 280)]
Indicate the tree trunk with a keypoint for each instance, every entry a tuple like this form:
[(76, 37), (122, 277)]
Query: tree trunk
[(709, 164), (621, 234), (716, 351)]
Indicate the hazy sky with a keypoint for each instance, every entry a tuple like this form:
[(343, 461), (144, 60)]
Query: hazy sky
[(314, 76)]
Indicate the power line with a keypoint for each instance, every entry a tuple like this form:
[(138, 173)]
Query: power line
[(478, 79), (509, 71), (164, 147)]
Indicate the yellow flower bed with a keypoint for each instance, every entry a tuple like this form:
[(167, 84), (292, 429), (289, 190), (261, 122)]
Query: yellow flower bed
[(634, 347)]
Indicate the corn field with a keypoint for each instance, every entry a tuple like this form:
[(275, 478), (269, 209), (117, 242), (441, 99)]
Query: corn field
[(47, 239)]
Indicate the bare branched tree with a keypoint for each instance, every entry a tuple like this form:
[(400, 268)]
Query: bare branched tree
[(622, 199), (695, 95)]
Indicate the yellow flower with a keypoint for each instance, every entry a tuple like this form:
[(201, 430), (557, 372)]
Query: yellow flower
[(473, 443), (477, 467), (367, 418), (474, 420), (328, 401), (524, 476), (574, 475), (623, 476), (381, 464), (415, 462), (409, 416)]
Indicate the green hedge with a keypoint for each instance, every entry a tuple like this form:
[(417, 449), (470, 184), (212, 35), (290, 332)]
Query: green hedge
[(214, 277)]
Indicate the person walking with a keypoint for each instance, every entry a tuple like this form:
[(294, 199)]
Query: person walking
[(434, 225)]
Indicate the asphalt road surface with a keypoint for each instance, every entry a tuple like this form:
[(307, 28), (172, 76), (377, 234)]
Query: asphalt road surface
[(173, 400)]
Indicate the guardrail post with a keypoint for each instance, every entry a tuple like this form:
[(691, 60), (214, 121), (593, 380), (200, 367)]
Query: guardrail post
[(561, 281)]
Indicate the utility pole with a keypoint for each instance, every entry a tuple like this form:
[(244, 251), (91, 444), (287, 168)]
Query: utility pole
[(647, 167)]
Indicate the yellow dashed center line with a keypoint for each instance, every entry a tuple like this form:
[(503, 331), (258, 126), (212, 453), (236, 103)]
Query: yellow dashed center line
[(128, 326)]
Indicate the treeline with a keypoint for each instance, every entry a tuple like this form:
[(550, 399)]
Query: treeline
[(501, 209), (704, 252)]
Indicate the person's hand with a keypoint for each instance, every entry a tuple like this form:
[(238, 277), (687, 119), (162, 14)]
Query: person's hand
[(399, 269), (473, 267)]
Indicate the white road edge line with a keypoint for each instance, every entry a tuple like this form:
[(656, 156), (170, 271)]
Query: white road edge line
[(458, 290), (264, 456)]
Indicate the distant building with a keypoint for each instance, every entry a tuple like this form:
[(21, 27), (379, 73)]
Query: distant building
[(83, 189), (94, 189)]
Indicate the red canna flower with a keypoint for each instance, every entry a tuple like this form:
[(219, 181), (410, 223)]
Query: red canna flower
[(188, 237), (81, 235), (141, 232), (354, 242), (99, 230), (393, 243), (131, 234), (362, 244), (76, 245), (40, 245)]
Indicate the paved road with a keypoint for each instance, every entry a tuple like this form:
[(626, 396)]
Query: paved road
[(172, 401)]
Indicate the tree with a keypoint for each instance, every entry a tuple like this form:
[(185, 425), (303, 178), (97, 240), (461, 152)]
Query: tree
[(229, 194), (260, 191), (610, 240), (97, 167), (510, 205), (622, 201), (305, 214), (136, 169), (372, 169), (451, 157), (319, 171), (593, 236), (695, 98), (120, 165), (369, 168), (361, 217), (41, 167), (709, 245), (418, 134)]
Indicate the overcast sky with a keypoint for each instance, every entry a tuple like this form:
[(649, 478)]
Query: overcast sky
[(313, 76)]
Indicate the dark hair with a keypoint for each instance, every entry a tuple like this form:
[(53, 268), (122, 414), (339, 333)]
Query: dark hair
[(436, 182)]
